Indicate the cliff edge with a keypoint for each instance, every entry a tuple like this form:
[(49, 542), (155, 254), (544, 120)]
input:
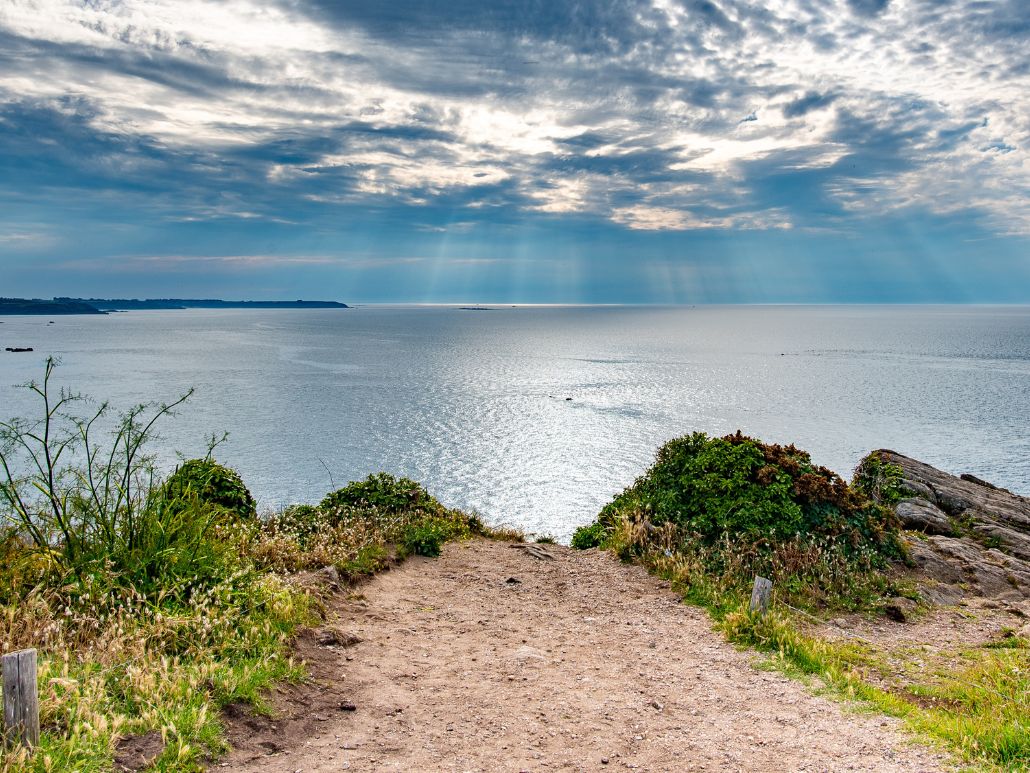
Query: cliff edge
[(967, 537)]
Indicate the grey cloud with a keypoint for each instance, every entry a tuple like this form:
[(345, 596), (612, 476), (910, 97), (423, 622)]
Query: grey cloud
[(805, 104), (868, 7), (620, 75), (162, 67), (587, 27)]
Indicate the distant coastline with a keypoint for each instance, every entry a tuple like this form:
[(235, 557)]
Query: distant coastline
[(54, 306), (46, 308)]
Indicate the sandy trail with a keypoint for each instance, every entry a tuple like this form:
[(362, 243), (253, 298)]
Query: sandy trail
[(488, 659)]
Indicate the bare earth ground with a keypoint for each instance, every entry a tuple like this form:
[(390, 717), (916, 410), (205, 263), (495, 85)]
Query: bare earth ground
[(491, 659)]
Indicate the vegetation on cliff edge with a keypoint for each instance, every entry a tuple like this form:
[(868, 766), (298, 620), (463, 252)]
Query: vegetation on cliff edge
[(733, 507), (712, 513), (155, 602)]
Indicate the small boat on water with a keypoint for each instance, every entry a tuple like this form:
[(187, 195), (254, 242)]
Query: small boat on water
[(19, 349)]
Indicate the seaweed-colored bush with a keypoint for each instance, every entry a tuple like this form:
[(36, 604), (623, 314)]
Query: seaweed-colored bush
[(590, 536), (211, 484), (384, 493), (880, 480), (426, 538), (709, 488), (732, 507)]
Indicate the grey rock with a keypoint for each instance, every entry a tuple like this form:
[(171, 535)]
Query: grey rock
[(934, 565), (920, 490), (920, 515), (990, 532), (967, 565), (979, 481), (941, 595), (1021, 611), (982, 549), (334, 637), (329, 576), (900, 609), (952, 502)]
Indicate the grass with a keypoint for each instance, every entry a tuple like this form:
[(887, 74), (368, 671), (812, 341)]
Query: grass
[(114, 662), (712, 513), (121, 664), (973, 703), (976, 707), (153, 603)]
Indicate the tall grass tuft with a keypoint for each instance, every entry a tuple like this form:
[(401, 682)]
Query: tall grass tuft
[(82, 507), (153, 603)]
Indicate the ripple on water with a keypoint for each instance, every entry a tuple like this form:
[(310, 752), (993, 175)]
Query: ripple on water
[(473, 405)]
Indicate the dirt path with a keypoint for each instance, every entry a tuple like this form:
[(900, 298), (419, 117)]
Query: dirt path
[(489, 659)]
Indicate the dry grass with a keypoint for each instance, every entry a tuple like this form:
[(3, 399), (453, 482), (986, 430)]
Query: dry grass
[(115, 662), (152, 604)]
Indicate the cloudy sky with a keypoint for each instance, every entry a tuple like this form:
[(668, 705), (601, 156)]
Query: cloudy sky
[(669, 151)]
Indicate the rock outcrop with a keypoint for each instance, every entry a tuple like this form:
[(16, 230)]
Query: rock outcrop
[(968, 537)]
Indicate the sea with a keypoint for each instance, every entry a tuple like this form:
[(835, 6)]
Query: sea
[(536, 416)]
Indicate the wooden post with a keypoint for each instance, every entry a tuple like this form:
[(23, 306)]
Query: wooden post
[(21, 698), (760, 596)]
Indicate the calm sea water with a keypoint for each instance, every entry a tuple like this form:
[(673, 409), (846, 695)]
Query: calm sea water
[(473, 403)]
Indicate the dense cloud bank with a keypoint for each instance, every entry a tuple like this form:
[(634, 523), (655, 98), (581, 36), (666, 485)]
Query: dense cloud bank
[(318, 133)]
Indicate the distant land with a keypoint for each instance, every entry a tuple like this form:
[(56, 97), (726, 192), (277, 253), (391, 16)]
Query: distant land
[(47, 308), (104, 305)]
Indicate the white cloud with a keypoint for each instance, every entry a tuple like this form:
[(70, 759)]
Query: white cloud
[(213, 77)]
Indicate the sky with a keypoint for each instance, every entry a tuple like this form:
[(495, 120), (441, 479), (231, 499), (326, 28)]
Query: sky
[(548, 151)]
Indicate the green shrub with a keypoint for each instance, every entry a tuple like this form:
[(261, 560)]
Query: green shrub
[(382, 492), (179, 547), (301, 521), (735, 507), (880, 480), (426, 538), (735, 486), (212, 484), (84, 510), (591, 536), (366, 561), (359, 527)]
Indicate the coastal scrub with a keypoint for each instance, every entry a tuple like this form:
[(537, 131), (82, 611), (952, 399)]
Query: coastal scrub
[(154, 602), (732, 507), (712, 513)]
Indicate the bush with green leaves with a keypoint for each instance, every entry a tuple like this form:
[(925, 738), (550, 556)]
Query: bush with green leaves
[(737, 506), (85, 508), (210, 483), (360, 528), (880, 480), (302, 521), (382, 492), (589, 536), (426, 538)]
